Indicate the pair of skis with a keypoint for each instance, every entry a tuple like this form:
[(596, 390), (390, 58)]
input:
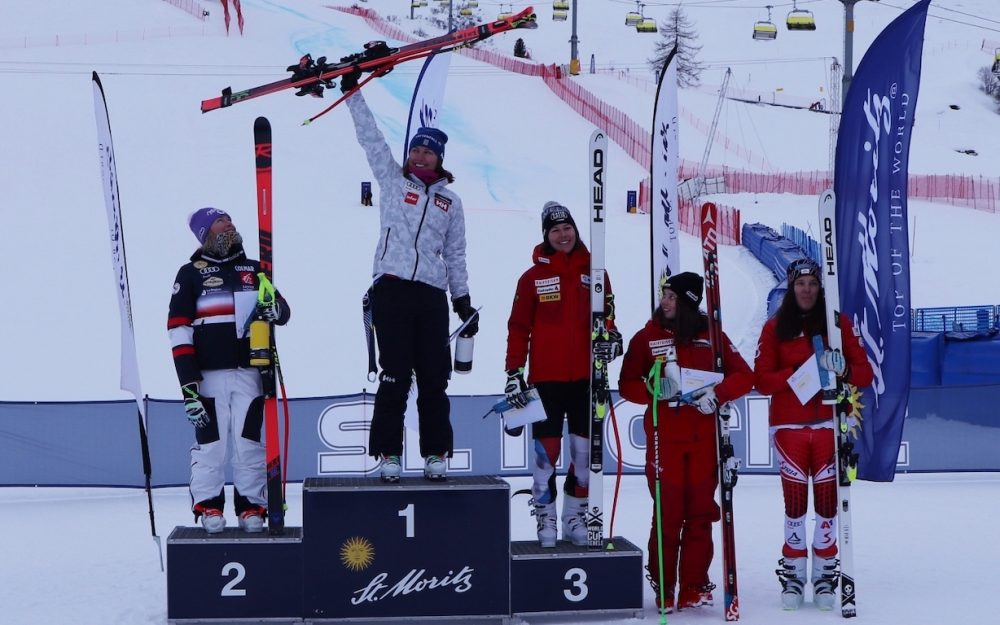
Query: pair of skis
[(729, 464), (833, 394), (311, 77), (270, 375)]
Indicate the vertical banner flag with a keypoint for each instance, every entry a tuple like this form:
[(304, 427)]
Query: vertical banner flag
[(870, 181), (225, 13), (109, 180), (663, 178), (239, 15), (428, 96)]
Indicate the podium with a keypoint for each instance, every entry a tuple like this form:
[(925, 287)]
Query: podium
[(571, 579), (407, 550), (234, 576), (411, 551)]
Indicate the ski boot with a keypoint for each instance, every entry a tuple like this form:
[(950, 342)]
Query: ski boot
[(434, 468), (792, 575), (212, 520), (251, 520), (391, 468), (545, 517), (667, 604), (574, 521), (695, 595), (824, 579)]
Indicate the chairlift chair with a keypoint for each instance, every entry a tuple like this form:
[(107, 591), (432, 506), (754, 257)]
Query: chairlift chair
[(560, 5), (765, 30), (472, 4), (800, 19), (647, 25), (506, 15), (633, 18), (465, 11), (560, 16), (415, 4)]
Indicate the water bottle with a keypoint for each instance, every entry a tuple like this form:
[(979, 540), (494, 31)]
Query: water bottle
[(260, 343), (463, 353)]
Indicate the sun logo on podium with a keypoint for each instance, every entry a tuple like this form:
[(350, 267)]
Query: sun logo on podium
[(357, 553)]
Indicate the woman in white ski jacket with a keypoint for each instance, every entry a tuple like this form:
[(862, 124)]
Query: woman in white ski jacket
[(419, 258)]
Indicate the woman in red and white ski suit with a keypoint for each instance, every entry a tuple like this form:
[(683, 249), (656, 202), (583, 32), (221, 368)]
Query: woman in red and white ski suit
[(802, 434), (688, 467), (549, 329)]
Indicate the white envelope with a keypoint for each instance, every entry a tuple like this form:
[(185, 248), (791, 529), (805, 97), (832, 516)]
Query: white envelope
[(532, 413), (805, 381), (694, 379)]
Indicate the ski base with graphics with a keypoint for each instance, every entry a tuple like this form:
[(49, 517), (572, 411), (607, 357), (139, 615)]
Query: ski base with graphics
[(728, 462), (312, 77), (272, 447)]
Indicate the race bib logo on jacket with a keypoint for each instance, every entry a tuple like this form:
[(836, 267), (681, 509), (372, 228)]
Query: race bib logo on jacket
[(659, 347), (442, 202), (246, 278), (411, 198)]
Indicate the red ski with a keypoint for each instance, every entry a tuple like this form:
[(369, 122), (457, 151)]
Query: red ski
[(728, 462), (272, 447), (311, 77)]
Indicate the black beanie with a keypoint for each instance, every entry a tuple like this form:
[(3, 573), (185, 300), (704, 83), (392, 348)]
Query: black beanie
[(553, 214), (803, 267), (688, 287)]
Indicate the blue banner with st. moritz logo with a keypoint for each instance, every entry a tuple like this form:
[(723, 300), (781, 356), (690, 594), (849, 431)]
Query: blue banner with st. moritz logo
[(870, 181)]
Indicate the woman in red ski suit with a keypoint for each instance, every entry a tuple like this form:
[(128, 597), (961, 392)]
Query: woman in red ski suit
[(802, 435), (549, 327), (688, 472)]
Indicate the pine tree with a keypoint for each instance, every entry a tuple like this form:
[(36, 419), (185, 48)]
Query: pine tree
[(678, 29), (519, 49)]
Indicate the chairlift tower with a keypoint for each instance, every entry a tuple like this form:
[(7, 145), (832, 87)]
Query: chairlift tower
[(836, 75), (574, 53), (849, 43), (700, 178)]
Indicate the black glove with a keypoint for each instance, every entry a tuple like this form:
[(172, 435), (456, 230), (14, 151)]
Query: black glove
[(610, 347), (463, 308), (515, 388), (349, 80)]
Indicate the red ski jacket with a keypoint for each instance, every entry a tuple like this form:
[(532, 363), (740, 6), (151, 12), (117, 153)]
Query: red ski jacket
[(549, 325), (777, 360), (684, 422)]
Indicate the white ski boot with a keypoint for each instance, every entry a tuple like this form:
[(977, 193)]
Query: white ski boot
[(391, 468), (574, 521), (824, 579), (213, 521), (435, 468), (545, 517), (792, 575)]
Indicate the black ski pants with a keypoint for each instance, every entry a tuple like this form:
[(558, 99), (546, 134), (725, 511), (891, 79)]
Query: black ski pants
[(411, 326)]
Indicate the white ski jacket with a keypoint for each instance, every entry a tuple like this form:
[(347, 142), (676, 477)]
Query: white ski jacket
[(422, 234)]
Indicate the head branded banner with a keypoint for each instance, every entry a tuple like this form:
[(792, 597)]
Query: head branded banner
[(428, 96), (665, 250), (109, 180), (870, 181)]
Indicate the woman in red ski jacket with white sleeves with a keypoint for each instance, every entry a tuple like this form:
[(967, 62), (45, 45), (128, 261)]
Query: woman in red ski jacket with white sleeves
[(688, 466), (802, 434)]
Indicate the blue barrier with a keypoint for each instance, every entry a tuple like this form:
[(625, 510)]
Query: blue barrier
[(97, 443)]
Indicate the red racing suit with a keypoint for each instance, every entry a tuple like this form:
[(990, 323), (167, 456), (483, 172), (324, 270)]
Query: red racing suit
[(688, 472)]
